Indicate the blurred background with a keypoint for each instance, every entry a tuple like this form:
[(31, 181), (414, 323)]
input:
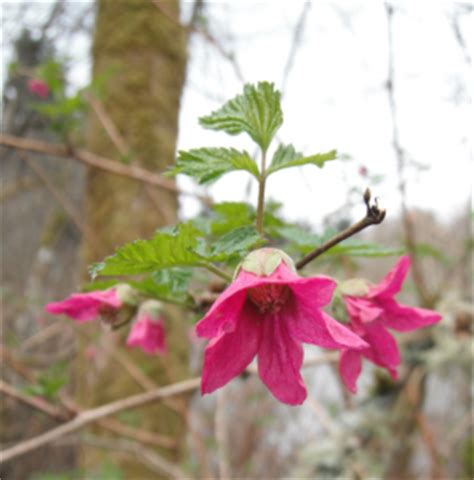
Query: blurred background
[(89, 85)]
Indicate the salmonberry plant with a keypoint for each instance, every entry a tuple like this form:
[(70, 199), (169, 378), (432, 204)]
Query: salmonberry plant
[(265, 308)]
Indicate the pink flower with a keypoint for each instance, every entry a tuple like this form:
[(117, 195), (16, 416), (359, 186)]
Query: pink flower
[(370, 314), (148, 332), (84, 307), (38, 88), (268, 311)]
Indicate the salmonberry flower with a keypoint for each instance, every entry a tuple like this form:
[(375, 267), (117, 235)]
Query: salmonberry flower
[(38, 88), (148, 331), (268, 311), (84, 307), (371, 311)]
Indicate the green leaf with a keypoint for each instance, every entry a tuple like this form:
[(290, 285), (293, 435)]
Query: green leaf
[(354, 249), (427, 250), (236, 242), (287, 156), (257, 112), (164, 250), (168, 285), (206, 165)]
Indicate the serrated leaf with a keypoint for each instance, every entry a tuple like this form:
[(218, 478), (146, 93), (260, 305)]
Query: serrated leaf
[(206, 165), (164, 250), (286, 157), (257, 112), (238, 241)]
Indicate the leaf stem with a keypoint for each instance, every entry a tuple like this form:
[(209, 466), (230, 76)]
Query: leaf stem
[(217, 271), (261, 193)]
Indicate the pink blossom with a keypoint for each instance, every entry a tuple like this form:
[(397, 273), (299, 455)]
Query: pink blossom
[(148, 331), (371, 314), (268, 311), (38, 88), (84, 307)]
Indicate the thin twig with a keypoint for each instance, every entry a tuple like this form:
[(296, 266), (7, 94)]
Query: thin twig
[(149, 457), (95, 414), (124, 150), (221, 432), (73, 409), (63, 202), (34, 401), (374, 216), (97, 161), (408, 226), (297, 34), (192, 28)]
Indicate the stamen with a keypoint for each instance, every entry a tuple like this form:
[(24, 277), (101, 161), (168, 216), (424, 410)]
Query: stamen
[(269, 298)]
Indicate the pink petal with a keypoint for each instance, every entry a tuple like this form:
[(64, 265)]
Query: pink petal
[(361, 310), (222, 316), (383, 349), (316, 292), (350, 366), (406, 319), (392, 282), (310, 325), (279, 361), (228, 355)]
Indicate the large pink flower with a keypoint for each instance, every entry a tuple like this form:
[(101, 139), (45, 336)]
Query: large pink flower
[(148, 331), (268, 311), (371, 314), (84, 307)]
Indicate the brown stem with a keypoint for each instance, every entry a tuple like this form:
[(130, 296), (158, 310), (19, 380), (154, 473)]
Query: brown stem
[(374, 216)]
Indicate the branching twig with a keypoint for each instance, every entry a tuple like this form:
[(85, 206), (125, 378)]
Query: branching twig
[(97, 414), (408, 226), (34, 401), (97, 161), (374, 216), (149, 457)]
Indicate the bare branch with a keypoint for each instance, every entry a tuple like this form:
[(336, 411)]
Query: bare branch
[(97, 161), (374, 216), (98, 414), (89, 416)]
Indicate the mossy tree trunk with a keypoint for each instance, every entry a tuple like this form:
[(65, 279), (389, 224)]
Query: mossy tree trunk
[(139, 57)]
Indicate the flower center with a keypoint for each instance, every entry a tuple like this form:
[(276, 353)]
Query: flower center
[(269, 298)]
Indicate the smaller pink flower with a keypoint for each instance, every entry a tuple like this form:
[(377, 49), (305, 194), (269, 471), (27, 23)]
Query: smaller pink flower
[(84, 307), (148, 331), (38, 87), (371, 313)]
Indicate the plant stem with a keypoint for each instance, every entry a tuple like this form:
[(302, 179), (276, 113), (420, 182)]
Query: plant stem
[(373, 216), (217, 271), (261, 193)]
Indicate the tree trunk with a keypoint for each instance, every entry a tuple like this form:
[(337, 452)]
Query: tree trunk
[(139, 58)]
